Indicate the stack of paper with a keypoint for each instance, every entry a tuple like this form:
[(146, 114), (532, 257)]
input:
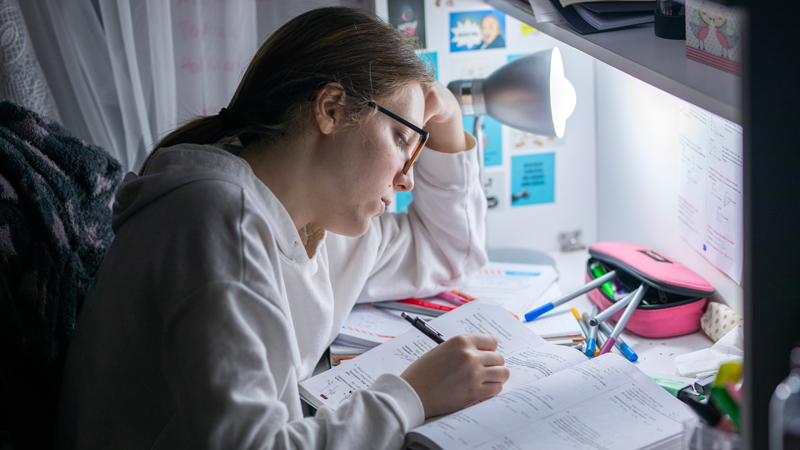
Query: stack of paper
[(591, 16), (516, 287)]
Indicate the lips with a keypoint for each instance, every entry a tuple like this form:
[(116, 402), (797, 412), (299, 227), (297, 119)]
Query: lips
[(386, 202)]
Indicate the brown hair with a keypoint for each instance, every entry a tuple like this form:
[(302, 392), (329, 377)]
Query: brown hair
[(349, 46)]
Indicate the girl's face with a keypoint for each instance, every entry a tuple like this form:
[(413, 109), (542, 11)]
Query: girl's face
[(365, 167)]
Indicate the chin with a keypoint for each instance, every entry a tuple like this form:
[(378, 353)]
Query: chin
[(354, 230)]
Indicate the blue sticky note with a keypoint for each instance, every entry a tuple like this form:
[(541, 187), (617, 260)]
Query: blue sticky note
[(533, 179), (492, 138), (403, 199)]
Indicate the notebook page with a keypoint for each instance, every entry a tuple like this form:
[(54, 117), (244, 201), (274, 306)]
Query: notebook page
[(528, 356), (603, 403)]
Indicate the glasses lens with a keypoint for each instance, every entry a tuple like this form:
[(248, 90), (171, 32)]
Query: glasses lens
[(410, 163)]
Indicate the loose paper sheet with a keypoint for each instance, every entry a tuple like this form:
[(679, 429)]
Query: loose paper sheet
[(710, 203), (517, 287)]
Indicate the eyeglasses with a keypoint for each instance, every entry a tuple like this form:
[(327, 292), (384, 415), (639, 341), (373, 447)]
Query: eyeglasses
[(423, 135)]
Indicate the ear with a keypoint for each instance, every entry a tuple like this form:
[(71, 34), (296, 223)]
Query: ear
[(328, 107)]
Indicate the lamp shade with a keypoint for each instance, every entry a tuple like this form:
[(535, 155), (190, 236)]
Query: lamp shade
[(529, 93)]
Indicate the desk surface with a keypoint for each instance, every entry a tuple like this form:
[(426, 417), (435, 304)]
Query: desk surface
[(656, 356)]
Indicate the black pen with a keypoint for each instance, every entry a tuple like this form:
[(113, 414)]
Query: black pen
[(424, 327)]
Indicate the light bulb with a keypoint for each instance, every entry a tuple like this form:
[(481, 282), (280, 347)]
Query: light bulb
[(562, 94)]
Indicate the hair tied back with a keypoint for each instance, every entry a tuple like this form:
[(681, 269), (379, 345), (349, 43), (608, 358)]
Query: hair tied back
[(226, 118)]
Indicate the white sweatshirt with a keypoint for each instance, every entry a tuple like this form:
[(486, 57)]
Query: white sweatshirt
[(207, 309)]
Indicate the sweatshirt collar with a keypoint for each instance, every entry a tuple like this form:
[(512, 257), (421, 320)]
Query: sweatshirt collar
[(296, 245)]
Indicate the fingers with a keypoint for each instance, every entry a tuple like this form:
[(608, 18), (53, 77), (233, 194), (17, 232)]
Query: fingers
[(496, 374), (489, 390), (482, 341), (433, 106), (490, 358)]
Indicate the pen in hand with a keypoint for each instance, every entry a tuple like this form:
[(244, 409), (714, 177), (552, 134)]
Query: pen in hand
[(424, 327)]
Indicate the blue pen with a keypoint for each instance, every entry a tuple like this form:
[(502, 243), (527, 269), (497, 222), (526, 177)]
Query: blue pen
[(565, 298), (592, 339)]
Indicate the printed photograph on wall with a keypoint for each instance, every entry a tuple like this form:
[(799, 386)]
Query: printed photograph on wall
[(477, 30), (533, 179), (408, 16)]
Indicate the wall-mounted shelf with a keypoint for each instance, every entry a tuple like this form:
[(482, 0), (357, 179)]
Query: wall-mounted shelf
[(638, 52)]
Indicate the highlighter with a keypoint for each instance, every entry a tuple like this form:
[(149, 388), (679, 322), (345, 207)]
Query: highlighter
[(598, 271)]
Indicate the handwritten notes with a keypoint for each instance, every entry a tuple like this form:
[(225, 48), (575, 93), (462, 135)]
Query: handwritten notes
[(710, 210)]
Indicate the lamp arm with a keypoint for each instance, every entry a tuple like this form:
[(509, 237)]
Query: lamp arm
[(477, 131)]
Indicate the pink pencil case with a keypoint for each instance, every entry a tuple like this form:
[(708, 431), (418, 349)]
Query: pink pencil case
[(676, 297)]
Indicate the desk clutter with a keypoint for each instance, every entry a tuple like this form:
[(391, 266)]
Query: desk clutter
[(630, 287), (551, 400)]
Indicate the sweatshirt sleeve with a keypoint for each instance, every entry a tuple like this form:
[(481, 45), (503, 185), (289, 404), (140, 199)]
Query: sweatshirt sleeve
[(438, 244), (222, 344)]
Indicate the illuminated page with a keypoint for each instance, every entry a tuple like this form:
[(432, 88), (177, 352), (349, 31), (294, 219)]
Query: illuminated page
[(710, 210), (517, 287), (528, 357), (602, 403)]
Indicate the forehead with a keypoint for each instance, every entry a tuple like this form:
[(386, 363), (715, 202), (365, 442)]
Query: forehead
[(408, 103)]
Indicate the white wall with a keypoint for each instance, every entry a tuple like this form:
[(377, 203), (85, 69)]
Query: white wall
[(638, 164)]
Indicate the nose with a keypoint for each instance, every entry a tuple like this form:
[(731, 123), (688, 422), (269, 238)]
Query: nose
[(404, 182)]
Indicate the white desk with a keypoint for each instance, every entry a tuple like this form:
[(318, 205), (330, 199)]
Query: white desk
[(656, 356)]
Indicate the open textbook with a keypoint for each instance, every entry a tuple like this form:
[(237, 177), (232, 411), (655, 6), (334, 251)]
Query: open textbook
[(555, 397)]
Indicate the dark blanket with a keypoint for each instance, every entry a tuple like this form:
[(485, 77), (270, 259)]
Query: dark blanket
[(55, 227)]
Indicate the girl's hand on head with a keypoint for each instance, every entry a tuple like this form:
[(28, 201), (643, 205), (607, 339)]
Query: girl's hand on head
[(463, 370), (443, 121)]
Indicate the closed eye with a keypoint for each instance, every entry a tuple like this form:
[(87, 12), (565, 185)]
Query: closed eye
[(402, 141)]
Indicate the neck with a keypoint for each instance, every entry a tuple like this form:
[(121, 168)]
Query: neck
[(285, 169)]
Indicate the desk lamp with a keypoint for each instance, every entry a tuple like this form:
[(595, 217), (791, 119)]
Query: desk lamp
[(530, 94)]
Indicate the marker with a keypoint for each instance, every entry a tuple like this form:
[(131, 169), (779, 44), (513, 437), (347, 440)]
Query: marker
[(452, 298), (598, 270), (620, 344), (590, 342), (679, 389), (565, 298), (606, 332), (580, 322), (464, 295), (624, 319), (415, 305), (424, 327), (613, 309)]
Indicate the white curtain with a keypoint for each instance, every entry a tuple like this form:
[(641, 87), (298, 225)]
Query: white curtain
[(123, 73)]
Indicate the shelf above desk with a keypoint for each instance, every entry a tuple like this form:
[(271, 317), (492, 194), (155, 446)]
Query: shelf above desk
[(638, 52)]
